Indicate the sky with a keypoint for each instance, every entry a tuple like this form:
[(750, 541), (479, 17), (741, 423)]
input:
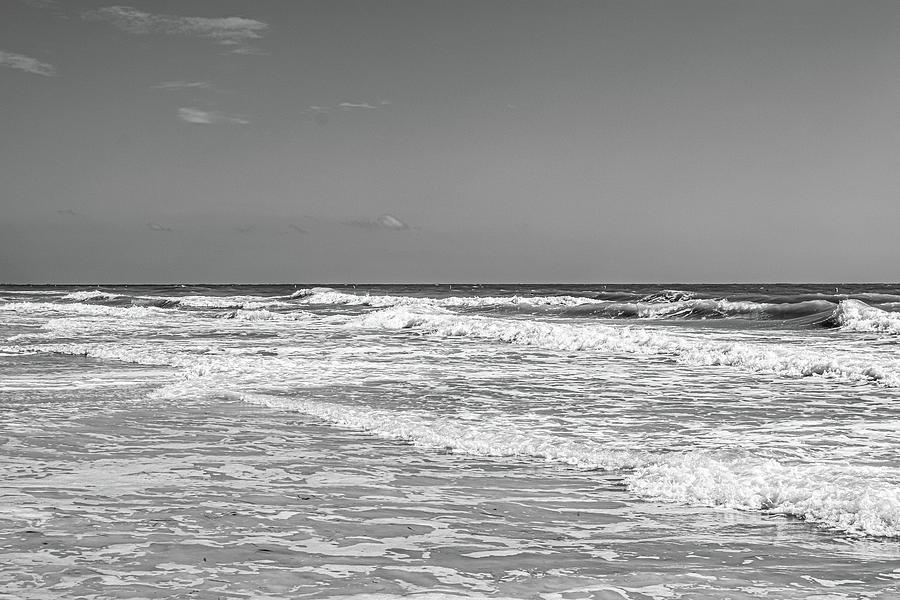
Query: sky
[(449, 141)]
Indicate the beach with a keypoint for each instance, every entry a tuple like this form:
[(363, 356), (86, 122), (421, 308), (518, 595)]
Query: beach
[(514, 442)]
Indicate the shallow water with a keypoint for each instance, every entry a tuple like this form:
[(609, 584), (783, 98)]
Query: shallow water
[(160, 442)]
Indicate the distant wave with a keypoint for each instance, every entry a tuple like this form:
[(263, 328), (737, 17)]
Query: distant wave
[(100, 300), (85, 296), (328, 296), (777, 359), (703, 309), (212, 302), (852, 499), (848, 314), (668, 296)]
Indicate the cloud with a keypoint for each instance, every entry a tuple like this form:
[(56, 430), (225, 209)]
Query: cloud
[(383, 222), (158, 227), (26, 63), (227, 31), (320, 113), (297, 229), (54, 7), (182, 85), (346, 106), (41, 3), (351, 105), (208, 117), (249, 51)]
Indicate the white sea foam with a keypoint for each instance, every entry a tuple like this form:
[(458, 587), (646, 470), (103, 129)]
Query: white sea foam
[(854, 315), (190, 366), (97, 310), (777, 359), (34, 292), (59, 328), (857, 500), (261, 314), (482, 438), (851, 499)]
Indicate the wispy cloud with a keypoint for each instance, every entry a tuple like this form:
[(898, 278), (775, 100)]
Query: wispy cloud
[(249, 51), (158, 227), (297, 229), (351, 105), (208, 117), (26, 63), (182, 85), (41, 3), (228, 31), (383, 222), (346, 106)]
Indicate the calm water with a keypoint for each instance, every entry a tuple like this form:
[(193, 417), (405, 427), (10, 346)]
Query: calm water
[(618, 441)]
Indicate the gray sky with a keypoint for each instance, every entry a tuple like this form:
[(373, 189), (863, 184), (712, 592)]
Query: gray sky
[(421, 141)]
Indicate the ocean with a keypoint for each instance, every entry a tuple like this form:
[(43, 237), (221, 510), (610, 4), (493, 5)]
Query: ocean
[(450, 441)]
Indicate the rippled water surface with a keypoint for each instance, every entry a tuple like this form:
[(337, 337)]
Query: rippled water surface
[(498, 441)]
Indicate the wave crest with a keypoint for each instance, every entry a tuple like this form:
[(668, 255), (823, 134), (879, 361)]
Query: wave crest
[(87, 295), (854, 315), (668, 296)]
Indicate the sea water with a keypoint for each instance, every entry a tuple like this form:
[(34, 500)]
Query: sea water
[(587, 441)]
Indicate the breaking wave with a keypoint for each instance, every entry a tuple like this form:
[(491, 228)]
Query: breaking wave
[(777, 359), (668, 296), (854, 315)]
